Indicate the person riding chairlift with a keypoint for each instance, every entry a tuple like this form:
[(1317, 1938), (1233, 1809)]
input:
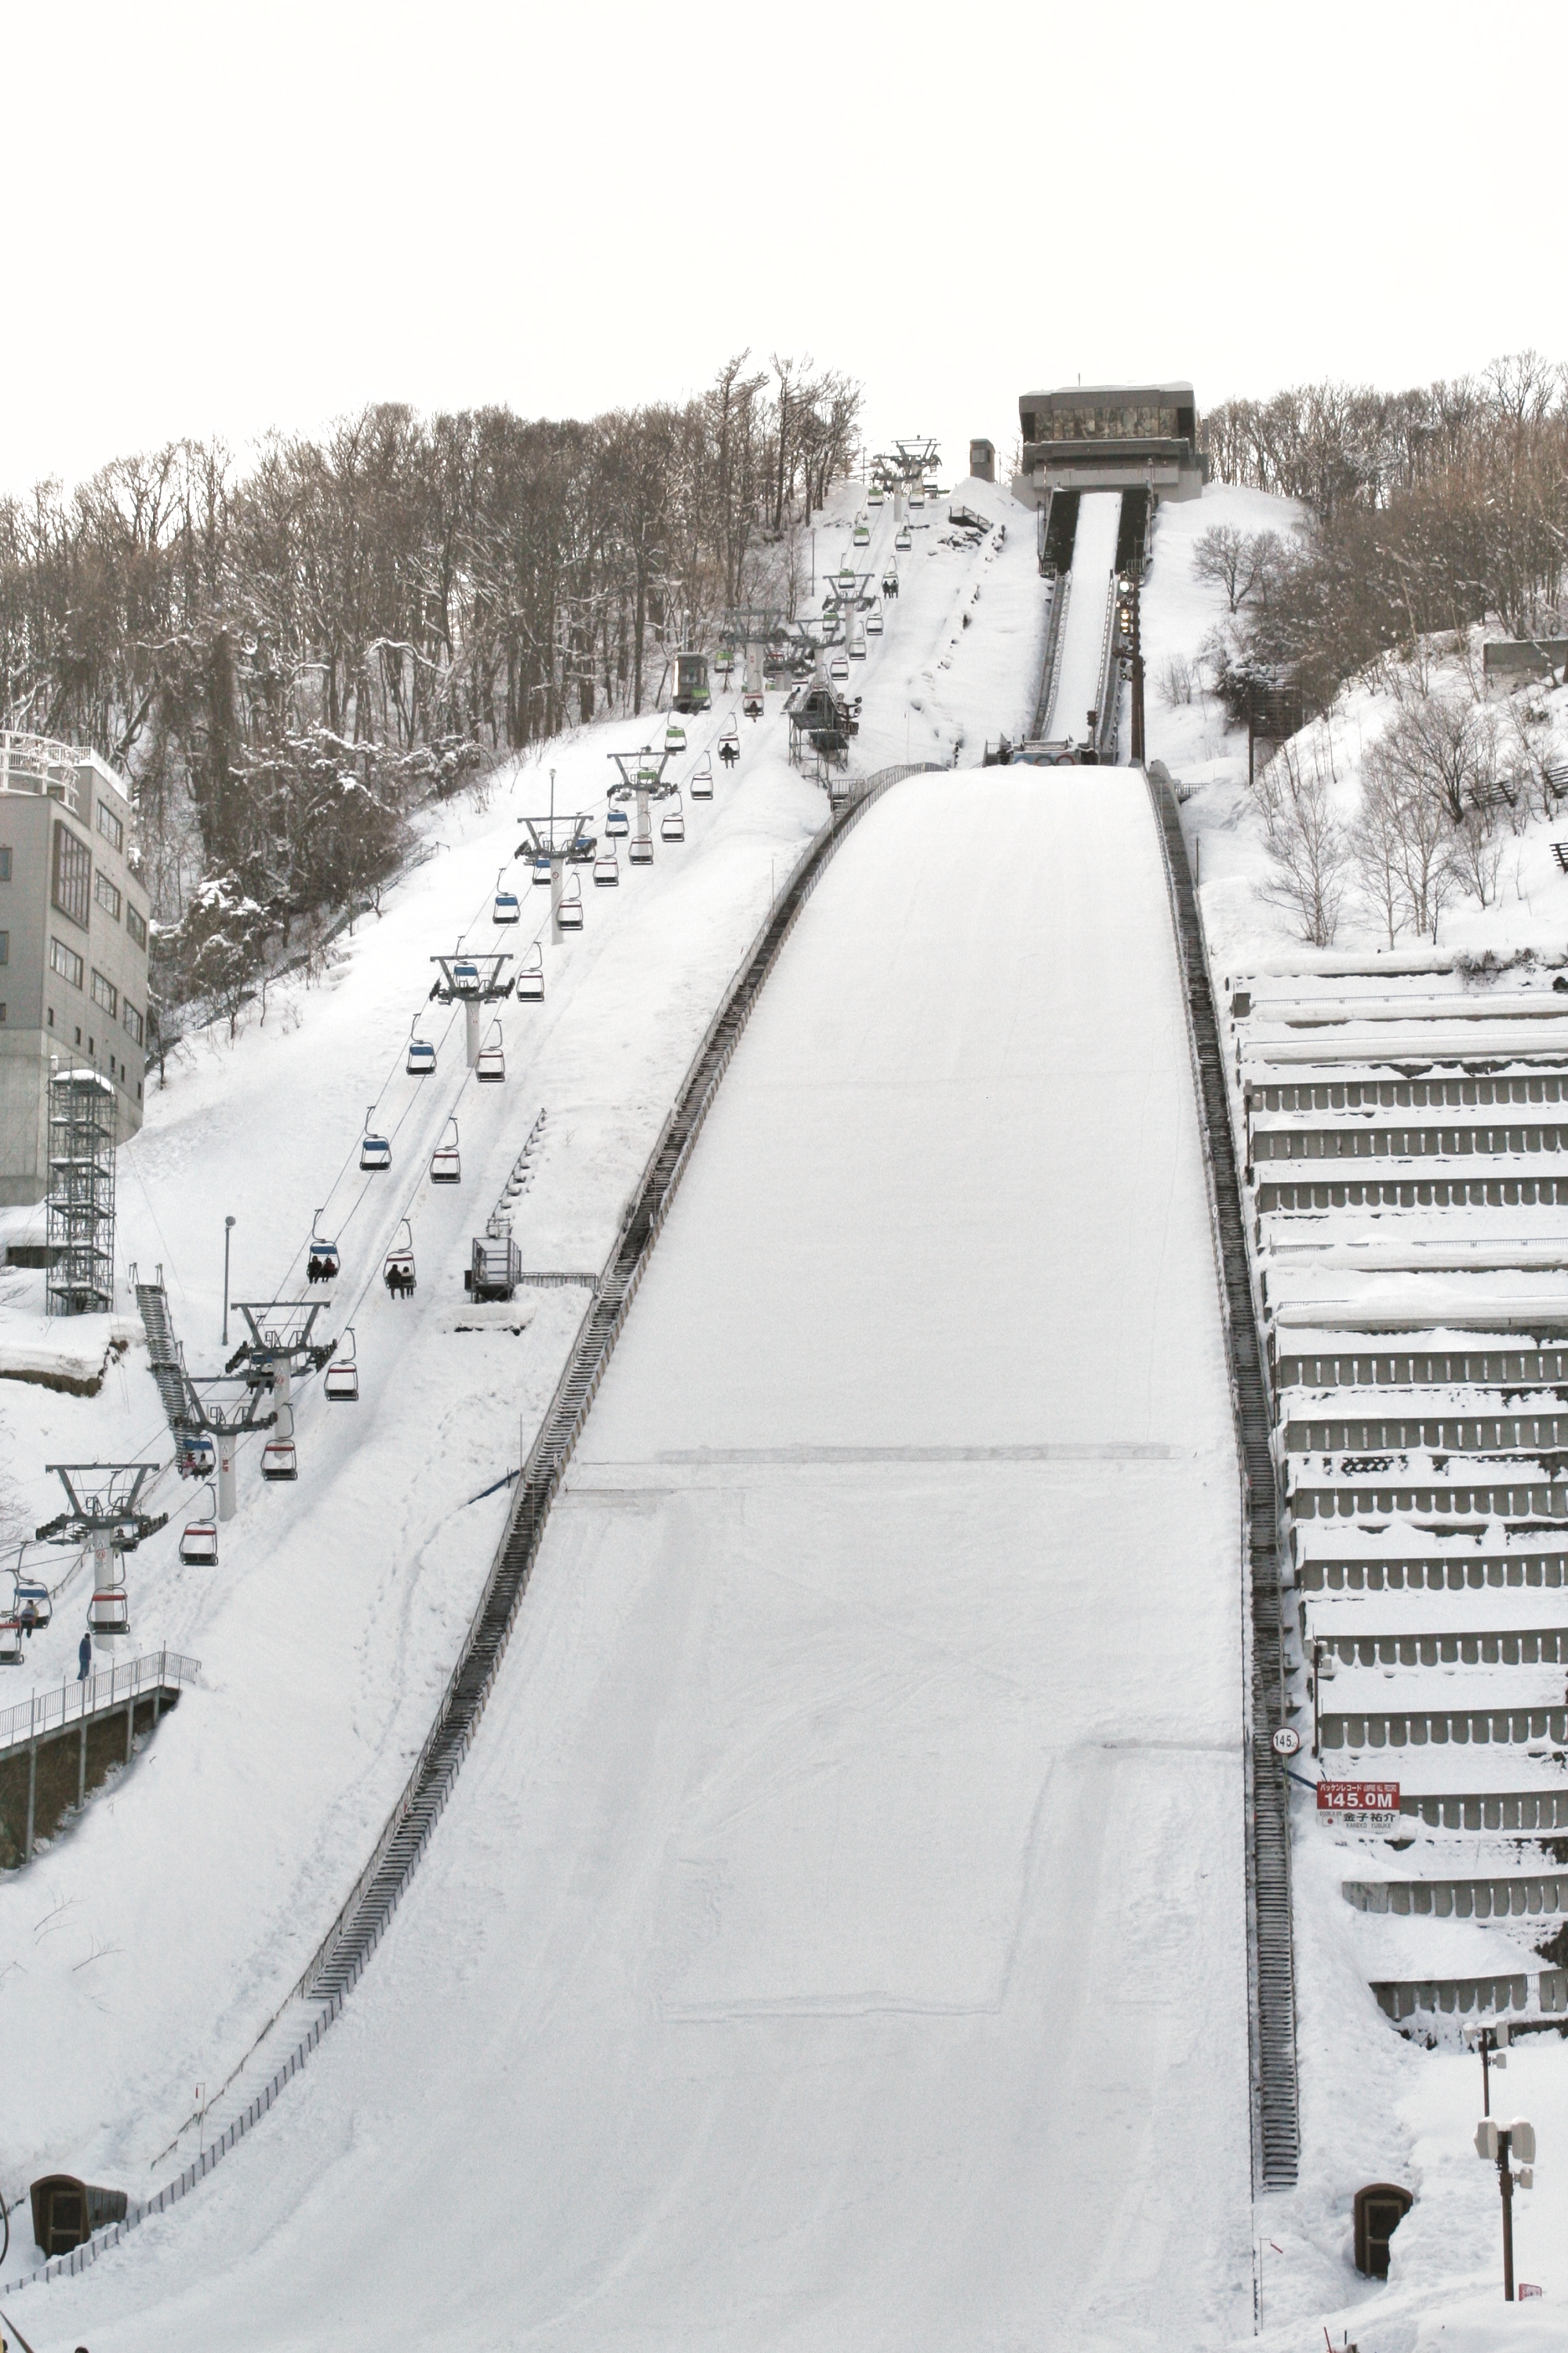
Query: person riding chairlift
[(729, 751)]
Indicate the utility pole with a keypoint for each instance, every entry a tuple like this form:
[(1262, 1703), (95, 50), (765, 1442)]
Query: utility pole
[(228, 1230), (1501, 2144)]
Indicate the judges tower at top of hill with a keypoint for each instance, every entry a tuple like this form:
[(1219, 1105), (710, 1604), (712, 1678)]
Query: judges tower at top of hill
[(1110, 436)]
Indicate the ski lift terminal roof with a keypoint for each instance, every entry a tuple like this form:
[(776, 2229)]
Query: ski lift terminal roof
[(1110, 436)]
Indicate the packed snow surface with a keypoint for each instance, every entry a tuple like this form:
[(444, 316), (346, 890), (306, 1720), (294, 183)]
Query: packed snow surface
[(836, 1936)]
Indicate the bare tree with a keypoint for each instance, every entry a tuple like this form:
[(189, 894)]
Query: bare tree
[(1310, 858), (1376, 849)]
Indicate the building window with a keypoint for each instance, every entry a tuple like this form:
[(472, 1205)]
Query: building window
[(4, 865), (66, 963), (136, 925), (107, 896), (1, 1016), (79, 1034), (5, 947), (104, 993), (73, 875), (110, 827), (51, 1017), (132, 1021)]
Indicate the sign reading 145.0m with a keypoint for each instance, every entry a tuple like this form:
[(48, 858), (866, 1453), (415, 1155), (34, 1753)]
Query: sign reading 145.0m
[(1361, 1805)]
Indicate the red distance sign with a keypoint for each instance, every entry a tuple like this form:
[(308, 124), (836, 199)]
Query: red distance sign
[(1361, 1805)]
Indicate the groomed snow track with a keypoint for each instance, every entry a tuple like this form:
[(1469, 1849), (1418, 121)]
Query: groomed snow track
[(1276, 2136), (360, 1926)]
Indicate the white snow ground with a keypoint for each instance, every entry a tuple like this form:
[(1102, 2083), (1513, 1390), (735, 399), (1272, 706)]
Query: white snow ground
[(836, 1938)]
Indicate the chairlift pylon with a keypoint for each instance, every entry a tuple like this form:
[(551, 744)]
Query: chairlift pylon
[(398, 1274)]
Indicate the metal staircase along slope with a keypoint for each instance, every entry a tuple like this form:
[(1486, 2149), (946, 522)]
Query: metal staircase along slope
[(1271, 1962), (163, 1358)]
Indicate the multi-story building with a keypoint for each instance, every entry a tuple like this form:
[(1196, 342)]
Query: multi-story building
[(73, 947), (1110, 436)]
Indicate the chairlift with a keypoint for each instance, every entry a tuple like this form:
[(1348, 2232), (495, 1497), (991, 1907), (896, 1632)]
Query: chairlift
[(856, 647), (648, 769), (466, 980), (34, 1604), (342, 1382), (540, 869), (607, 869), (752, 706), (903, 538), (198, 1543), (109, 1611), (838, 669), (890, 580), (421, 1059), (446, 1165), (322, 1266), (876, 496), (491, 1068), (700, 782), (530, 984), (279, 1460), (862, 532), (506, 909), (674, 736), (642, 851), (617, 824), (847, 578), (375, 1151), (10, 1643), (933, 491), (916, 495), (198, 1455), (398, 1272), (874, 620), (730, 732), (569, 914), (672, 824)]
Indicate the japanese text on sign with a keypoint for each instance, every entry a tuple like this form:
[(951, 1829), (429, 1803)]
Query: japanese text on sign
[(1361, 1805)]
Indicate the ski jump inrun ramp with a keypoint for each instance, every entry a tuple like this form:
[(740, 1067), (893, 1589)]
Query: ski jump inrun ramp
[(836, 1938)]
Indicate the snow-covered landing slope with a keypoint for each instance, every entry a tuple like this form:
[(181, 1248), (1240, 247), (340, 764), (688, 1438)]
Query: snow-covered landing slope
[(141, 1955), (836, 1936)]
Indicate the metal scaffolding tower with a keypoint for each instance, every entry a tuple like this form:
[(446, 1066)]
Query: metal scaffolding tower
[(81, 1194)]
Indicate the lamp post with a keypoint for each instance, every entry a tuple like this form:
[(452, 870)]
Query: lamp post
[(228, 1230), (1501, 2144)]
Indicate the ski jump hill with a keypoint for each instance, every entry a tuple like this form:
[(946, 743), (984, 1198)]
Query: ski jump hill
[(836, 1936)]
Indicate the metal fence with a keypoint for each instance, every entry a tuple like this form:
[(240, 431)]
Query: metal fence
[(95, 1695)]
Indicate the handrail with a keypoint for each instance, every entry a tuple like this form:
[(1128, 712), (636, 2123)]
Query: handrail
[(93, 1694), (1051, 667)]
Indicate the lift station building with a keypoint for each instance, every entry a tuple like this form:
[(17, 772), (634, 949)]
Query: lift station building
[(73, 947), (1110, 436)]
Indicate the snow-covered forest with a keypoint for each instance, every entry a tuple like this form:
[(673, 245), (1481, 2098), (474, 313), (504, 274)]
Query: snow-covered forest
[(288, 653)]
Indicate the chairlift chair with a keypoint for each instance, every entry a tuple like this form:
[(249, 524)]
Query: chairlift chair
[(421, 1059), (916, 495), (540, 869), (530, 985), (341, 1383), (446, 1165), (862, 532), (570, 911), (398, 1274), (465, 977), (856, 647), (322, 1266), (109, 1611), (674, 736), (617, 824), (10, 1643), (640, 853), (607, 869), (199, 1543), (648, 769), (838, 669), (279, 1460), (491, 1068), (375, 1151), (752, 705), (903, 538), (199, 1456), (700, 782), (672, 824), (873, 621), (34, 1604), (506, 909), (876, 496)]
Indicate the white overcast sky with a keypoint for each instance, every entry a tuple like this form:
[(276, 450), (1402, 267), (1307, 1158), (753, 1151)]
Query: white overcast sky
[(227, 218)]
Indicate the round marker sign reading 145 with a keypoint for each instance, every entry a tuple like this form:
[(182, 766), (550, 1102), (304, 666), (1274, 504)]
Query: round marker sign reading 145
[(1285, 1742)]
